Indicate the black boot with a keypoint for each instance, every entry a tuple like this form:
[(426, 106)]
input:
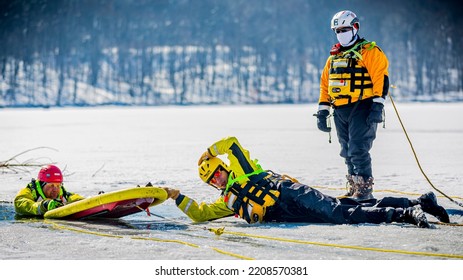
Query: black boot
[(413, 215), (428, 203)]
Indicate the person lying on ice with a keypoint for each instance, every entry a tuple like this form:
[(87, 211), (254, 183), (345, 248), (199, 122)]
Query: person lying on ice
[(256, 195)]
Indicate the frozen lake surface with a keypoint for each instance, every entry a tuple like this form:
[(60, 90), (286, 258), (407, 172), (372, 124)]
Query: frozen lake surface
[(111, 148)]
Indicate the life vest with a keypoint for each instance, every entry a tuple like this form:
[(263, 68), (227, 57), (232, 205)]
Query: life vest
[(251, 199), (38, 194), (348, 81)]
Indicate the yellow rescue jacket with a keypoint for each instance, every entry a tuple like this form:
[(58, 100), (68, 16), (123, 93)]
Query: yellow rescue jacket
[(358, 73), (28, 201), (250, 193)]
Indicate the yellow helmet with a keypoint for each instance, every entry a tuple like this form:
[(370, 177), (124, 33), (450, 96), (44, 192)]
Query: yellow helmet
[(208, 168)]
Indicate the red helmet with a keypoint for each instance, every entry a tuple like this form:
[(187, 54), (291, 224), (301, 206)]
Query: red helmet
[(50, 174)]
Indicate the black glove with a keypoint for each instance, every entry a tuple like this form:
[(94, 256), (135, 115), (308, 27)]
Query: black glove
[(322, 121), (376, 113)]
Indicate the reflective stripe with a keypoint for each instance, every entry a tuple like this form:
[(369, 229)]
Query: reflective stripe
[(342, 63), (216, 151), (188, 206), (339, 83)]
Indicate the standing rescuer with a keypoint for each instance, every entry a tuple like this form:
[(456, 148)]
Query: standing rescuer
[(355, 83), (44, 193)]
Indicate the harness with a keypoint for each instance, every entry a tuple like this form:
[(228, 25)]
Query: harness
[(349, 81), (250, 199)]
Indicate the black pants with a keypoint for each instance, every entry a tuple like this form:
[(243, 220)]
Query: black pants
[(356, 137), (301, 203)]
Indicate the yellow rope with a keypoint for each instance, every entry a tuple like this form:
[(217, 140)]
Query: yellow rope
[(222, 231), (384, 190), (414, 153), (231, 254), (165, 240), (56, 226), (410, 193), (447, 224), (346, 246)]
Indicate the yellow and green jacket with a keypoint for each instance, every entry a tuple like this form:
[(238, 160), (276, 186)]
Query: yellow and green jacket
[(247, 181), (354, 74), (28, 201)]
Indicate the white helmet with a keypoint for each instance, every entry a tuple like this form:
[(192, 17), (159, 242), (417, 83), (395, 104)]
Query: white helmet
[(345, 19)]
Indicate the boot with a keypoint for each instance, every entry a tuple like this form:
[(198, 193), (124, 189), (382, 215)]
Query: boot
[(414, 215), (362, 190), (349, 185), (428, 203)]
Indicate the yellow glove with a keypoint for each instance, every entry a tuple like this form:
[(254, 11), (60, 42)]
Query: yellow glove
[(204, 156)]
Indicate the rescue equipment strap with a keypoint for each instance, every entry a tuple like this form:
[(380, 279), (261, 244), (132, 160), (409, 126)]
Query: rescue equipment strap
[(239, 178), (231, 181), (238, 204), (356, 49), (38, 188), (415, 155)]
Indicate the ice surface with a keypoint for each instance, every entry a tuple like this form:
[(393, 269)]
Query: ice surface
[(111, 148)]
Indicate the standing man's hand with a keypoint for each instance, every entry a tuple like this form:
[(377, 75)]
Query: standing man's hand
[(322, 121), (376, 113)]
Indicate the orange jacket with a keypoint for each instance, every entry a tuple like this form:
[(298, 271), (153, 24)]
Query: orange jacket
[(372, 59)]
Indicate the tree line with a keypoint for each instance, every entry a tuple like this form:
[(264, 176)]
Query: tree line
[(155, 52)]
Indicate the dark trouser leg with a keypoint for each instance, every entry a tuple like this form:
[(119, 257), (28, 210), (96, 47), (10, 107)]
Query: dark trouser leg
[(374, 215), (396, 202), (342, 130), (377, 215), (301, 203), (356, 138), (428, 203), (361, 142)]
